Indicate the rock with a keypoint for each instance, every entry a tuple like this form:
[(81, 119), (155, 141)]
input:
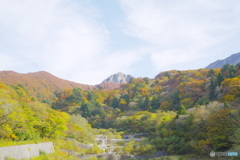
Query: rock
[(118, 78)]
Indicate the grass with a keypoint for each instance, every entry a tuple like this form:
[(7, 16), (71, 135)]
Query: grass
[(9, 158), (68, 145), (235, 148), (170, 158), (191, 157), (57, 155)]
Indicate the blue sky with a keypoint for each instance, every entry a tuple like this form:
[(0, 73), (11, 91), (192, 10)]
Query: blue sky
[(87, 40)]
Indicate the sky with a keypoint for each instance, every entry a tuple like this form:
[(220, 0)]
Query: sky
[(86, 41)]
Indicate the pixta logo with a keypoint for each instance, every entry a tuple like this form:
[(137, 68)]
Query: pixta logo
[(212, 154), (220, 154)]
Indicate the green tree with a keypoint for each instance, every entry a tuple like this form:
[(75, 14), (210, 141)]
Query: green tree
[(147, 80), (91, 97), (228, 71), (226, 105), (213, 85), (235, 138), (220, 126), (87, 109), (129, 148), (115, 102), (220, 78), (126, 98), (155, 103), (182, 110), (75, 97), (176, 99), (132, 81)]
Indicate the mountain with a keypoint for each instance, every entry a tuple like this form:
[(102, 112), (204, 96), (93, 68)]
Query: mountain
[(40, 84), (118, 78), (233, 60)]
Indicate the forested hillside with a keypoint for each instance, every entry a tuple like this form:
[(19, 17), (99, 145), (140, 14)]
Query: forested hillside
[(24, 120), (170, 90), (41, 85), (182, 112)]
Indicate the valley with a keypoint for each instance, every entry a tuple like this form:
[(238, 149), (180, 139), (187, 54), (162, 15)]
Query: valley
[(185, 113), (119, 80)]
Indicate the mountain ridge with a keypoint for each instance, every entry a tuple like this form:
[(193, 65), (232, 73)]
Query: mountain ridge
[(40, 82), (43, 84), (232, 59)]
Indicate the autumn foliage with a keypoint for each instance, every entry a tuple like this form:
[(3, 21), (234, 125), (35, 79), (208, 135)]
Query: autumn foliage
[(183, 112)]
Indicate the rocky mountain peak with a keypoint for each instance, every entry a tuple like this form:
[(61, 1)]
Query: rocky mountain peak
[(118, 78)]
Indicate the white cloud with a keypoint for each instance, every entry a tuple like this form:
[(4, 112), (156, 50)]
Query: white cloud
[(6, 61), (173, 59), (119, 61), (67, 38), (180, 31), (60, 36)]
